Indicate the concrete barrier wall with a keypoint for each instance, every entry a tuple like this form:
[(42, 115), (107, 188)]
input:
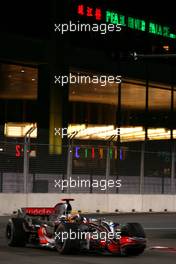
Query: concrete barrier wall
[(90, 202)]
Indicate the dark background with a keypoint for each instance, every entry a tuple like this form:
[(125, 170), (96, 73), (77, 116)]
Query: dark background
[(33, 18)]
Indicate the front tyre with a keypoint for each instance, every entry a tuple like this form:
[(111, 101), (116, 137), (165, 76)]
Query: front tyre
[(136, 231), (65, 242)]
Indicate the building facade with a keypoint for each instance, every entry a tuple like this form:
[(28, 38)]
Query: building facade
[(84, 124)]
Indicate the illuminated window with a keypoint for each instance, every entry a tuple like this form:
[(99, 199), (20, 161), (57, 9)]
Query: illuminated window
[(158, 134), (166, 48), (127, 134), (174, 98), (174, 133), (93, 132), (19, 129), (133, 94), (18, 82), (93, 102), (159, 96), (93, 92)]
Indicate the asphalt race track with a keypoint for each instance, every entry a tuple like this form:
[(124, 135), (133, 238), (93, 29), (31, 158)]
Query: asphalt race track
[(160, 230)]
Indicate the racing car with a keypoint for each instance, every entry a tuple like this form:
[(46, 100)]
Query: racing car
[(60, 229)]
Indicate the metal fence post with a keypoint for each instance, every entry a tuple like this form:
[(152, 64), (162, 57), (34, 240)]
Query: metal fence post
[(25, 165), (173, 169), (69, 166), (26, 157), (141, 185), (1, 182), (107, 166)]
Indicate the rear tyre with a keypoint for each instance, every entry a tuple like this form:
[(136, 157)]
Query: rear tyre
[(15, 234), (65, 242)]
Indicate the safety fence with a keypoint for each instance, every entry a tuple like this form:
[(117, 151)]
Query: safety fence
[(124, 169)]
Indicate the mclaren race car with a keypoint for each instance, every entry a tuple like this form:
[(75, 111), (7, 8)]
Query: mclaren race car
[(59, 229)]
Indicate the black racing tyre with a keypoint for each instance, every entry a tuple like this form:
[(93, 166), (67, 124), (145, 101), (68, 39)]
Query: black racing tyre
[(133, 230), (65, 242), (127, 251), (15, 233)]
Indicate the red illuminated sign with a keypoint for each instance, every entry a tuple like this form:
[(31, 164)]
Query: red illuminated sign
[(89, 12), (18, 151)]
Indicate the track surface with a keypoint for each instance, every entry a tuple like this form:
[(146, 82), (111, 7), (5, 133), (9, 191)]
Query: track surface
[(160, 230)]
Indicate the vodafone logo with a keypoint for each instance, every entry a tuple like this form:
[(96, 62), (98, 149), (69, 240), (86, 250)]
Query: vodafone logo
[(39, 211)]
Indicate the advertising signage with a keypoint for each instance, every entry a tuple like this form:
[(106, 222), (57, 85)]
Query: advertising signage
[(139, 24), (106, 15)]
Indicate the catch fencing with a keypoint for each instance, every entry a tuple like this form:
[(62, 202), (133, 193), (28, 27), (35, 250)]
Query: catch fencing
[(124, 169)]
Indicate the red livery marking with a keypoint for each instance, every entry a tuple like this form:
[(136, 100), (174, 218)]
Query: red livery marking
[(39, 211)]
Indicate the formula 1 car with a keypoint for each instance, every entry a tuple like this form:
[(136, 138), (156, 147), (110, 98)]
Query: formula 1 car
[(59, 229)]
